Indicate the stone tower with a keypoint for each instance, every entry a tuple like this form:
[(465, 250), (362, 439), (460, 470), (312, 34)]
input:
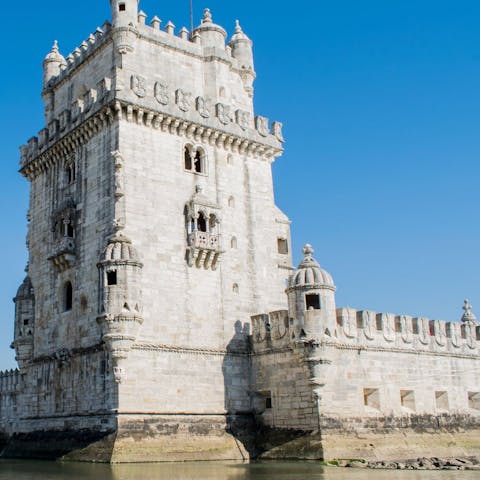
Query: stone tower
[(153, 237)]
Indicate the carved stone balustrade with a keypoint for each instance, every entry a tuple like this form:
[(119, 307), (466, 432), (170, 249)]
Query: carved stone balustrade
[(203, 249), (64, 255)]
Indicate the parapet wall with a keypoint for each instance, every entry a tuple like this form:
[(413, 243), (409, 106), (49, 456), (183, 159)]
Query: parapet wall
[(365, 328), (389, 331), (10, 384)]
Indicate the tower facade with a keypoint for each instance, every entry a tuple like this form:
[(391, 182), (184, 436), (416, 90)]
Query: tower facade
[(153, 234)]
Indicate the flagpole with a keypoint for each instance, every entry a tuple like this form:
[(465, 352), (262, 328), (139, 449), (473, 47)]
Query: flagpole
[(191, 17)]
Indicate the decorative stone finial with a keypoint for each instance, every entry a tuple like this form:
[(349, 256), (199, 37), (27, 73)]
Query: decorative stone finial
[(207, 16), (468, 316), (55, 47), (238, 28), (308, 250)]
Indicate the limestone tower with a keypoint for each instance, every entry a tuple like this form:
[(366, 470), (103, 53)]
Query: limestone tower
[(153, 237)]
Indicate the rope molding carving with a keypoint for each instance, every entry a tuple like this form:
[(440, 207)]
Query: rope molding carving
[(187, 350)]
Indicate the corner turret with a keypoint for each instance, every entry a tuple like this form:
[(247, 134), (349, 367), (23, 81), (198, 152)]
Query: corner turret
[(311, 298), (52, 64), (211, 34), (124, 12), (242, 48)]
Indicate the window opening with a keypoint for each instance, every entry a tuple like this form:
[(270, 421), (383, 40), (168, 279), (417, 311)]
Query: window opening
[(371, 398), (407, 399), (198, 162), (268, 403), (70, 230), (474, 400), (112, 277), (441, 400), (68, 297), (122, 7), (231, 202), (188, 159), (312, 301), (234, 242), (282, 246), (26, 322), (201, 223)]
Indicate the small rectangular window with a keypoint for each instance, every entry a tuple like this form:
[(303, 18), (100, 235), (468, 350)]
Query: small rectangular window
[(371, 398), (441, 400), (112, 277), (122, 7), (474, 400), (282, 245), (407, 399), (312, 301), (26, 322), (268, 403)]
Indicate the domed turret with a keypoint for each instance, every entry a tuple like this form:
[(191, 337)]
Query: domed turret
[(211, 34), (24, 323), (311, 298), (242, 48), (124, 12), (52, 64), (119, 248), (120, 314)]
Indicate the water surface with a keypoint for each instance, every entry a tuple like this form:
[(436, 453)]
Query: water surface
[(26, 470)]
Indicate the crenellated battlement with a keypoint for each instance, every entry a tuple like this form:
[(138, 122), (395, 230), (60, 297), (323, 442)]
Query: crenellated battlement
[(367, 328), (9, 382)]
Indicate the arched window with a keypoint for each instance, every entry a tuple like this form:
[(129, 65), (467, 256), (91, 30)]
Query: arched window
[(194, 159), (69, 229), (201, 223), (70, 173), (233, 242), (198, 162), (212, 224), (231, 202), (187, 158), (67, 296), (235, 288)]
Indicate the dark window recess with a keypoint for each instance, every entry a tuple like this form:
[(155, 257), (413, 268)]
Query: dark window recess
[(112, 277), (198, 162), (68, 297), (70, 231), (188, 159), (202, 223), (282, 246), (26, 322), (312, 301), (268, 403), (122, 7)]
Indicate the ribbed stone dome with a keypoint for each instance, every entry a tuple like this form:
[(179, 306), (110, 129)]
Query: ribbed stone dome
[(119, 248), (26, 289), (310, 274)]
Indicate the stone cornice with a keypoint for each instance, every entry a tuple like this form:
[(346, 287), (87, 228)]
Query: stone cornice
[(37, 158)]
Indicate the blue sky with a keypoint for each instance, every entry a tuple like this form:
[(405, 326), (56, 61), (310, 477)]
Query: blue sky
[(381, 106)]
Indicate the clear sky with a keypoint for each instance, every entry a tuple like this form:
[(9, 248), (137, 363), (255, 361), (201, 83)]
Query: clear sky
[(381, 105)]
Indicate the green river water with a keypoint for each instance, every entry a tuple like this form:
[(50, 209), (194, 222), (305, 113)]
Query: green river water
[(26, 470)]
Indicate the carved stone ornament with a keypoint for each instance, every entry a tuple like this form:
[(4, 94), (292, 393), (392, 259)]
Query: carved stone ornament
[(243, 119), (440, 333), (161, 92), (261, 124), (204, 106), (223, 113), (369, 325), (138, 84), (423, 331), (388, 327), (277, 131), (184, 100)]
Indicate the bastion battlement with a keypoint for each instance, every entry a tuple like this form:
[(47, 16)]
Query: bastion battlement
[(369, 329), (9, 381)]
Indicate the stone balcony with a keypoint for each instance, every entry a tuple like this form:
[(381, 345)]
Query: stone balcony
[(64, 256), (203, 250)]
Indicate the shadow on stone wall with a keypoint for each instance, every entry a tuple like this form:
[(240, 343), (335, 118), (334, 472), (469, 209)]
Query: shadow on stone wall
[(79, 445), (242, 421)]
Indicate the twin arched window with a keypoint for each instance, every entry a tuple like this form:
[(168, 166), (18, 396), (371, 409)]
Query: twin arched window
[(194, 159)]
